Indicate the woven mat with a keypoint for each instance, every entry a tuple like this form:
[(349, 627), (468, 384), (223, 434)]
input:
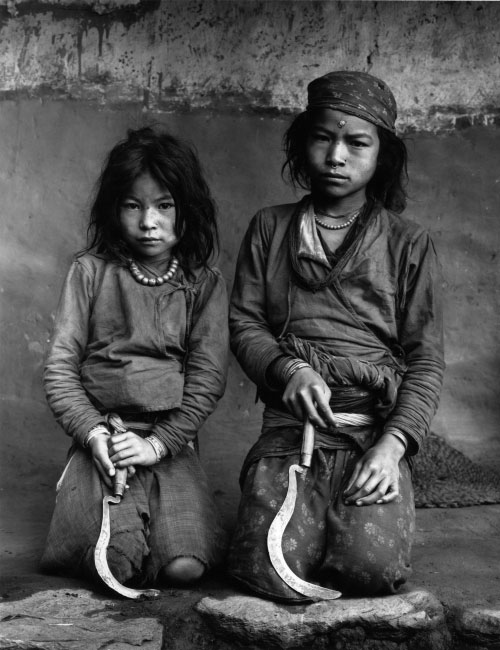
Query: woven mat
[(444, 478)]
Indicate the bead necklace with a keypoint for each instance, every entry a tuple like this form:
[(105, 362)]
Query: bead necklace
[(347, 223), (153, 282)]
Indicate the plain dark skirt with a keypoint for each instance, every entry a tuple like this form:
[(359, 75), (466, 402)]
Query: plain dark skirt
[(167, 512)]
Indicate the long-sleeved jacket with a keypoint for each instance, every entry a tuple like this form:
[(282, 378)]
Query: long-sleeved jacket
[(383, 305), (118, 345)]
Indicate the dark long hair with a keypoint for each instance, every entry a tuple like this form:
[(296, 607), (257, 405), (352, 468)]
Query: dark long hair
[(388, 182), (174, 165)]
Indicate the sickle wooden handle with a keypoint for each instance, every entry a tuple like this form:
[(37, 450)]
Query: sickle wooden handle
[(120, 478), (307, 449)]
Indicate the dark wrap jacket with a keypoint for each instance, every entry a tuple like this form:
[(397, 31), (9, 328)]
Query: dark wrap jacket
[(120, 346), (383, 306)]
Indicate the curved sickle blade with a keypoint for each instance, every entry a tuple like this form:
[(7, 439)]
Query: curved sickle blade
[(274, 539), (101, 560)]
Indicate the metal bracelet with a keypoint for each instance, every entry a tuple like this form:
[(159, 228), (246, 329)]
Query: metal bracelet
[(399, 435), (93, 432), (293, 367), (158, 446)]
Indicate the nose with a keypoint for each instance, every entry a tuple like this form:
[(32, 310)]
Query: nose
[(336, 154), (148, 219)]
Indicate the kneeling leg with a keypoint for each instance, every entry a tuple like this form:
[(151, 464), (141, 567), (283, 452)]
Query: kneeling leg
[(183, 571), (368, 547)]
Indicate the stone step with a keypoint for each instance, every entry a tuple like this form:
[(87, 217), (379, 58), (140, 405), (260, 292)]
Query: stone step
[(46, 613), (416, 617)]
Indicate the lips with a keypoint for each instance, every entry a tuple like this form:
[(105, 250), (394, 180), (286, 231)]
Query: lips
[(339, 177)]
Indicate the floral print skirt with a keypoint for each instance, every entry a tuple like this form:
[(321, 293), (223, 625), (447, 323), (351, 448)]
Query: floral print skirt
[(358, 550)]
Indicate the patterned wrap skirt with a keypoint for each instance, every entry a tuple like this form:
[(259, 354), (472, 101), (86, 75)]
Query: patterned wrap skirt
[(358, 550), (167, 512)]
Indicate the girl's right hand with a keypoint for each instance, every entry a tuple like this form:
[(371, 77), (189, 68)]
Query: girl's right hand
[(308, 395), (99, 448), (128, 449)]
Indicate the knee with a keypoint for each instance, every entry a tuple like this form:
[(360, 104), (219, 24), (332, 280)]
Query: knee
[(372, 580), (121, 567), (183, 571)]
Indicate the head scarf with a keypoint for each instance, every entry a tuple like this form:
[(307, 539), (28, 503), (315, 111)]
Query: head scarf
[(355, 93)]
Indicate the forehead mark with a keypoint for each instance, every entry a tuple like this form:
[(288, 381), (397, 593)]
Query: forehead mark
[(341, 124)]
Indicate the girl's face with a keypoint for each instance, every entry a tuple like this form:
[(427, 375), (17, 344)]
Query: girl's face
[(147, 219), (341, 157)]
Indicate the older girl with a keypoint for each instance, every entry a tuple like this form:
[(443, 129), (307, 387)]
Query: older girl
[(336, 316)]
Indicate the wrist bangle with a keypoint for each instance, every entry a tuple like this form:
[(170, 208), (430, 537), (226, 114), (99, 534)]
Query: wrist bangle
[(158, 446), (93, 432), (399, 435), (292, 367)]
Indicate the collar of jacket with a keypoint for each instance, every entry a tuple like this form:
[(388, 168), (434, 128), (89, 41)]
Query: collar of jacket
[(310, 243)]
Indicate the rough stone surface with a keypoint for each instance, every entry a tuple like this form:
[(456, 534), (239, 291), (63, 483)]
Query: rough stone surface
[(395, 619), (477, 626), (74, 619), (39, 612)]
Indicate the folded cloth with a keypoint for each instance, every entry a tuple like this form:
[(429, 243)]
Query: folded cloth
[(381, 380)]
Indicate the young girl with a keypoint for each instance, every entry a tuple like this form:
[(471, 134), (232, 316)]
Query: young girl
[(140, 333), (336, 316)]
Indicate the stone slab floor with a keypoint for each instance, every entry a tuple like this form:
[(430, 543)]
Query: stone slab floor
[(453, 601)]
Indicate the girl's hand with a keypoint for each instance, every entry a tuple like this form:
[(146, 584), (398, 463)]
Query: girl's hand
[(99, 448), (307, 394), (128, 449), (375, 478)]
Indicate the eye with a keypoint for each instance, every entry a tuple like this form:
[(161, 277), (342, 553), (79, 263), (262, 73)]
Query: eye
[(319, 137), (166, 205), (359, 143), (128, 204)]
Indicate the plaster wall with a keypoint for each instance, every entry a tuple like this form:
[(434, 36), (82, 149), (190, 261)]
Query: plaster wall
[(73, 80), (440, 57)]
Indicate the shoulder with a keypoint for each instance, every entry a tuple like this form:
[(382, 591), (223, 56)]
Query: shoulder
[(204, 277), (272, 219), (209, 288), (89, 270), (402, 227), (278, 213), (407, 239), (92, 263)]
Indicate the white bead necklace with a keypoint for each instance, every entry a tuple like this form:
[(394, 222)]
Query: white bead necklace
[(139, 276), (347, 223)]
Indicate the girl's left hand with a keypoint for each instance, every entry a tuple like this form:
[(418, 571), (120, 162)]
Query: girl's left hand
[(128, 449), (375, 478)]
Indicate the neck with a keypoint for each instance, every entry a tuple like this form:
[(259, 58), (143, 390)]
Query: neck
[(338, 207), (158, 264)]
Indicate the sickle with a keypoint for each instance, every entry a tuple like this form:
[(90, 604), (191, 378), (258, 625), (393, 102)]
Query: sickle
[(280, 522), (100, 553)]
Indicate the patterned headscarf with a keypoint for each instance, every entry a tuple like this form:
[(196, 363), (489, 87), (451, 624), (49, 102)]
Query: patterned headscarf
[(355, 93)]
